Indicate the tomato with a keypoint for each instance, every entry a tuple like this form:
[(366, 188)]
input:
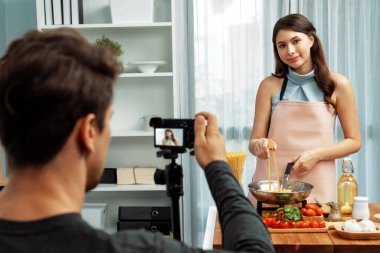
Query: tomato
[(319, 211), (266, 223), (303, 211), (292, 224), (284, 224), (274, 215), (311, 206), (269, 220), (281, 214), (306, 224), (310, 212), (314, 224), (299, 224), (321, 224), (275, 224)]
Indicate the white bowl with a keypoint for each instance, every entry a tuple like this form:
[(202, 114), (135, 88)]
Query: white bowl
[(147, 66)]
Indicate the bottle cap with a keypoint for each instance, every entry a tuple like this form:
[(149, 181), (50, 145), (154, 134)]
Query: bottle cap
[(347, 165), (361, 199)]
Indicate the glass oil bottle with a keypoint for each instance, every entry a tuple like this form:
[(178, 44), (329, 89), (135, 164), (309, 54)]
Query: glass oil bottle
[(347, 189)]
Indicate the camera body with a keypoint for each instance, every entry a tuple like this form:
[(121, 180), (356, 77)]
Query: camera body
[(173, 133)]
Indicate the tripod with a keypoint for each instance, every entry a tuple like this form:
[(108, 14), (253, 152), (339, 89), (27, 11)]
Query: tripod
[(174, 186)]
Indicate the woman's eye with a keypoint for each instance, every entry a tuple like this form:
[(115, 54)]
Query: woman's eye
[(281, 46), (296, 41)]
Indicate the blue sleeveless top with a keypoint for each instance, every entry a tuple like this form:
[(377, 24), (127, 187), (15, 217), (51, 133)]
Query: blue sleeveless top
[(299, 88)]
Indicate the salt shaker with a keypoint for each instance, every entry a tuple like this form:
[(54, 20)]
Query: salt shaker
[(360, 210), (335, 213)]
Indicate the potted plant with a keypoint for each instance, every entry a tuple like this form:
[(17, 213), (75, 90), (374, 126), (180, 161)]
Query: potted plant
[(114, 46)]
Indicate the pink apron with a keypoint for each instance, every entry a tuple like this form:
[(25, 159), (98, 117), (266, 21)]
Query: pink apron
[(297, 126)]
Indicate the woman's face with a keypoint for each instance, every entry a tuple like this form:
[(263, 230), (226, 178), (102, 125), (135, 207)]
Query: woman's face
[(294, 50), (168, 134)]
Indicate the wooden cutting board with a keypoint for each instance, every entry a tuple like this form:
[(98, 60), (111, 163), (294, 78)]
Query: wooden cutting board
[(329, 225)]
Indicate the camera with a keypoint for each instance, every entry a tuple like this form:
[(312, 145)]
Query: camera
[(173, 133)]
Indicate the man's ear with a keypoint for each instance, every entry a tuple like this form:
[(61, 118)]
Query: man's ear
[(88, 132)]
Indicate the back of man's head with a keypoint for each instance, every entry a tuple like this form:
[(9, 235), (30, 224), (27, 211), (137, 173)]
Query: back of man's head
[(49, 80)]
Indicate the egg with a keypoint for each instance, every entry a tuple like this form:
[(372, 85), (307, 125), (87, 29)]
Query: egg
[(352, 226), (348, 223), (367, 226)]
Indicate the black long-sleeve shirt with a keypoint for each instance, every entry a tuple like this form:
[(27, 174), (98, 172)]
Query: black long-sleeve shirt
[(241, 226)]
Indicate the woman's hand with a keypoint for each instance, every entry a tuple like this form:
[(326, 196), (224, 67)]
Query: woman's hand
[(259, 147), (304, 162)]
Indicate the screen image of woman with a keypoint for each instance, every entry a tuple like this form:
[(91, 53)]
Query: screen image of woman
[(169, 139)]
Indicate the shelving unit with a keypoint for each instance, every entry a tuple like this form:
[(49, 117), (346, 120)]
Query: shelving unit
[(128, 188), (135, 95)]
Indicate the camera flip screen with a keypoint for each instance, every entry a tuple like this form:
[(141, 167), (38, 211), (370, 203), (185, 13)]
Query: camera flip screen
[(169, 137)]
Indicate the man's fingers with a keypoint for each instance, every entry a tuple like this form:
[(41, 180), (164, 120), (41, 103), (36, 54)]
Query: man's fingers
[(212, 122), (200, 127)]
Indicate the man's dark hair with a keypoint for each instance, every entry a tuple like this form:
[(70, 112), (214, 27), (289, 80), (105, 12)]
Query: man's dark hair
[(49, 80)]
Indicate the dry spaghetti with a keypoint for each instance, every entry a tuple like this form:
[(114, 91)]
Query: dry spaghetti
[(236, 161)]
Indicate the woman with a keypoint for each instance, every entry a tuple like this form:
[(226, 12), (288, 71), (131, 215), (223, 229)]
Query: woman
[(296, 107), (169, 139)]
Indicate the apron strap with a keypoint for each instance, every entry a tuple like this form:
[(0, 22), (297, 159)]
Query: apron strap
[(283, 88)]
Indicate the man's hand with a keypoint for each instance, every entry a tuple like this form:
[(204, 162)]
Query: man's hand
[(209, 143)]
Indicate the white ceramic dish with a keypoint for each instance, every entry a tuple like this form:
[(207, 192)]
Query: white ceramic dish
[(147, 66), (356, 235)]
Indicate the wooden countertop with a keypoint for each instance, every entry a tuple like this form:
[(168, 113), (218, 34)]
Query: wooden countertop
[(315, 242), (3, 181)]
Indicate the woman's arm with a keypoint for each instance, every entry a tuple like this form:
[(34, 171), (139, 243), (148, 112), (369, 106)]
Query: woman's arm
[(258, 144), (164, 141), (344, 100)]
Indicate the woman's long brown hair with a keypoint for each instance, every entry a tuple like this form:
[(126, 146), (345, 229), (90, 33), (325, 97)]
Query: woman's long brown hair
[(299, 23)]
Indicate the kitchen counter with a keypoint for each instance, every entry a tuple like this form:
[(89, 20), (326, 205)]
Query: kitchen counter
[(3, 182), (330, 242)]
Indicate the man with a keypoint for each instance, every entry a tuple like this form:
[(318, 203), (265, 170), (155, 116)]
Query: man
[(55, 108)]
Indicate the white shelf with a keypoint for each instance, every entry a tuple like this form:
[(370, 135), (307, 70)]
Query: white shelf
[(111, 26), (156, 74), (130, 133), (125, 188)]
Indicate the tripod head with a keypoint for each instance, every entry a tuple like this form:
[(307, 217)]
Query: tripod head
[(171, 153)]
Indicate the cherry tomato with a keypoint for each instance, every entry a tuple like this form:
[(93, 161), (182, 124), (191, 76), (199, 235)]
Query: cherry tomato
[(314, 224), (292, 224), (310, 212), (275, 224), (306, 224), (321, 224), (285, 224), (269, 220), (319, 211), (303, 211), (299, 224), (311, 206)]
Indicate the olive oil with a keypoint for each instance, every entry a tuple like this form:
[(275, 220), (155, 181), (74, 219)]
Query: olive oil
[(347, 189)]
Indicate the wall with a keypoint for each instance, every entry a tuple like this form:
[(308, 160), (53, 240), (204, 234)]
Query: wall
[(16, 17)]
